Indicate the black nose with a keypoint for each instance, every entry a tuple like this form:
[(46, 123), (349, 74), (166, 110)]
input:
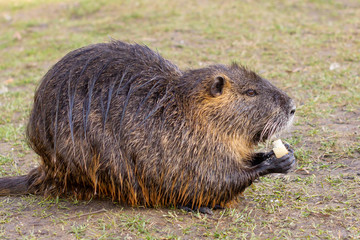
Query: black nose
[(292, 108), (292, 112)]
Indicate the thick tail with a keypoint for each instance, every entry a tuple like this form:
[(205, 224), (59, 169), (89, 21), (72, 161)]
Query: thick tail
[(14, 185)]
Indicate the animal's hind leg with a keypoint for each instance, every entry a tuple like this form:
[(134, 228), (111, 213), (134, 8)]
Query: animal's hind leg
[(202, 209)]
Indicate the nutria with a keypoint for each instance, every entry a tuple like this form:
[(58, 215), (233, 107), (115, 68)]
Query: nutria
[(118, 120)]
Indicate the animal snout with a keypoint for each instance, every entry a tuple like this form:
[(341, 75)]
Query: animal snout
[(292, 108)]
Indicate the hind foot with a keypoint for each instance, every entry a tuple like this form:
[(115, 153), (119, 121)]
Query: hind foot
[(204, 210)]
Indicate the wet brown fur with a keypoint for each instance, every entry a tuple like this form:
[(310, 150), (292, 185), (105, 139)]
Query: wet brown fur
[(116, 119)]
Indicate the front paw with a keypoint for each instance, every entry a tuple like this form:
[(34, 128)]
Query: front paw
[(279, 165), (290, 149)]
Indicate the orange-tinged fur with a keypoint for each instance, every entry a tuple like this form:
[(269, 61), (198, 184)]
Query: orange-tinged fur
[(117, 120)]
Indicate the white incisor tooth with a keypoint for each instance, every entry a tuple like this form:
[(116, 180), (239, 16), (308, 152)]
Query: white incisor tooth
[(279, 148)]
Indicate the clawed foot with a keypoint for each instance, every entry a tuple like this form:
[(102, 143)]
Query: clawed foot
[(277, 165), (204, 210)]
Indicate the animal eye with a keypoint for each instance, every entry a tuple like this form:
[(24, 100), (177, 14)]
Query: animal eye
[(251, 92)]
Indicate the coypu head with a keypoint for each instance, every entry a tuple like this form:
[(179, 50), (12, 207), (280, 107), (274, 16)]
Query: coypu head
[(237, 102)]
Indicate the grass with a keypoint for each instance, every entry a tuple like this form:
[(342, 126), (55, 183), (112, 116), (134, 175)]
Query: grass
[(308, 48)]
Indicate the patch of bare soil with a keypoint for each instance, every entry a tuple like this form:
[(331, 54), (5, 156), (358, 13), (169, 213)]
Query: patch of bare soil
[(22, 161)]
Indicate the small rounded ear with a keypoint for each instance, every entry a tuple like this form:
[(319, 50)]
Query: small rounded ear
[(217, 86)]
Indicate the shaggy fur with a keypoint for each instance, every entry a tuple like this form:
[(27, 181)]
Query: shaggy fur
[(119, 120)]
